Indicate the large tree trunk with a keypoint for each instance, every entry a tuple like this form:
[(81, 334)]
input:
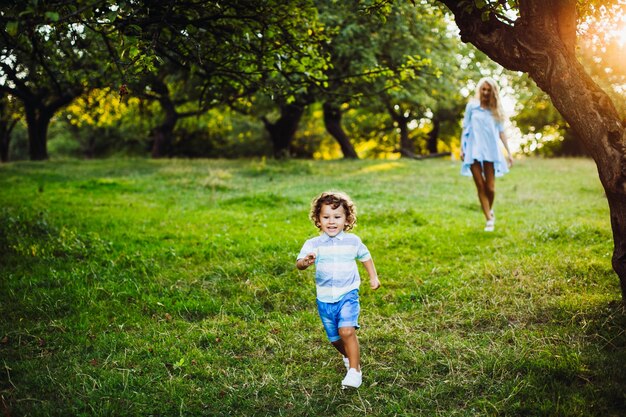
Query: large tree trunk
[(284, 129), (542, 43), (332, 121), (617, 206)]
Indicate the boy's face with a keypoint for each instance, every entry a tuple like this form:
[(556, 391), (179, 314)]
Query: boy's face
[(332, 220)]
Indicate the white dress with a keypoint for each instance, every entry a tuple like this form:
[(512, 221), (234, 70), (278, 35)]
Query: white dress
[(480, 140)]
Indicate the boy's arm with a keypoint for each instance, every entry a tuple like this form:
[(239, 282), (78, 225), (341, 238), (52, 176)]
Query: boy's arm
[(304, 263), (371, 271)]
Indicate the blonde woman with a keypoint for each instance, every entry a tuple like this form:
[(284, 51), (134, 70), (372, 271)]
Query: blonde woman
[(482, 157)]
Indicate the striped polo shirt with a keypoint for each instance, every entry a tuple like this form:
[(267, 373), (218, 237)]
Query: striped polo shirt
[(336, 272)]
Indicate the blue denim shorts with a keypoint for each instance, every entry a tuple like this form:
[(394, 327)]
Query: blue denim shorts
[(343, 313)]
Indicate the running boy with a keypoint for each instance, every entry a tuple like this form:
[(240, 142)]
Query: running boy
[(337, 280)]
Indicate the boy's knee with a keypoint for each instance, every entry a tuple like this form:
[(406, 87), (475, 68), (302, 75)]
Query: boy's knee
[(346, 332)]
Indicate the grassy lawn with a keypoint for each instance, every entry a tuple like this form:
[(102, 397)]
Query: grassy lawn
[(139, 287)]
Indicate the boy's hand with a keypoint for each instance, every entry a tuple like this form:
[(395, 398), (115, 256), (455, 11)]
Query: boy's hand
[(374, 283), (309, 259)]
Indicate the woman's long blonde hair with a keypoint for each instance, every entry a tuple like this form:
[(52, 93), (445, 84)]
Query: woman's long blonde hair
[(495, 104)]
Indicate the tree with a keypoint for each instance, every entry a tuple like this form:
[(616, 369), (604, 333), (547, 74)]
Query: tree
[(229, 51), (414, 42), (48, 58), (9, 116), (55, 50), (541, 40)]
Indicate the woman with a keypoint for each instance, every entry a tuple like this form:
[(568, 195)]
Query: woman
[(482, 157)]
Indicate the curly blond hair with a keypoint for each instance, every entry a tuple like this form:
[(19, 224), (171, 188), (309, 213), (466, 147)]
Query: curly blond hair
[(333, 199)]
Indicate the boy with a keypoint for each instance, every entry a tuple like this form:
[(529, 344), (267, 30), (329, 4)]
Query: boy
[(337, 280)]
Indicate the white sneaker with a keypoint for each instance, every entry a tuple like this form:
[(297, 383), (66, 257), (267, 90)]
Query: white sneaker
[(346, 362), (353, 379), (490, 225)]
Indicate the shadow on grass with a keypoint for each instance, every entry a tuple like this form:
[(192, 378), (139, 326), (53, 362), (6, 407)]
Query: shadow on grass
[(585, 377)]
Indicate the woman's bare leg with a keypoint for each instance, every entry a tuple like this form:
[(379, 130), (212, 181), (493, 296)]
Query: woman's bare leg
[(481, 188), (490, 183)]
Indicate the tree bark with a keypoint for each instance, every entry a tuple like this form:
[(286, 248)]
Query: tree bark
[(38, 120), (163, 134), (284, 129), (433, 136), (407, 148), (542, 43), (6, 127), (4, 145), (7, 123), (38, 116), (332, 121)]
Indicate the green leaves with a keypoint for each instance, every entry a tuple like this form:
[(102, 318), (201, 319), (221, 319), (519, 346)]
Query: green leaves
[(52, 16), (12, 27)]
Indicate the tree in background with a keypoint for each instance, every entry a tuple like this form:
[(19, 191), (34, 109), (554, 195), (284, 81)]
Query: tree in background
[(234, 50), (48, 57), (548, 134), (55, 51), (539, 37), (10, 114), (425, 77)]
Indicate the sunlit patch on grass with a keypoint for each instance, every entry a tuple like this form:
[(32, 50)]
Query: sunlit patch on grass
[(260, 201), (104, 182), (380, 167)]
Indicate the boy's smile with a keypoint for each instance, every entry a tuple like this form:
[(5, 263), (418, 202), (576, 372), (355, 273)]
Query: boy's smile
[(332, 220)]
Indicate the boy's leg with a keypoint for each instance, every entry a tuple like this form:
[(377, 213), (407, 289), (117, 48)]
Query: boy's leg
[(348, 323), (340, 347), (340, 321), (328, 315), (351, 346)]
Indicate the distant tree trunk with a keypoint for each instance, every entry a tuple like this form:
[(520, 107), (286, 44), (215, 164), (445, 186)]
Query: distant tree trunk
[(405, 142), (38, 118), (5, 138), (284, 129), (433, 136), (571, 145), (38, 121), (407, 147), (332, 121), (542, 42), (163, 134), (7, 123)]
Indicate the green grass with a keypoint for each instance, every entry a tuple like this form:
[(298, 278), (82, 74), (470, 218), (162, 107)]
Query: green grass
[(139, 287)]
